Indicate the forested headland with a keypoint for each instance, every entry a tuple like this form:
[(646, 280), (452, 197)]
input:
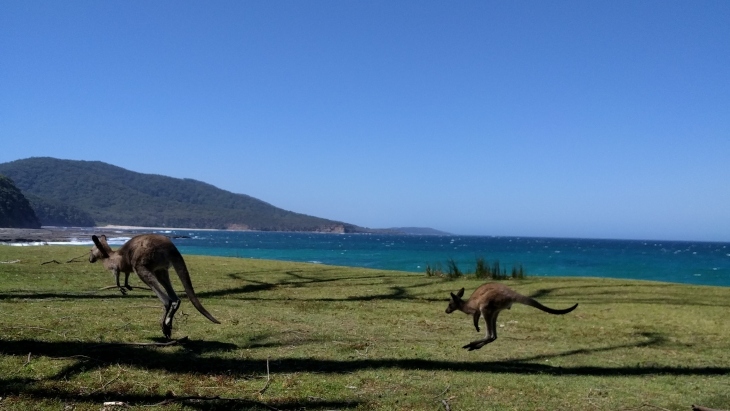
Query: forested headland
[(94, 193)]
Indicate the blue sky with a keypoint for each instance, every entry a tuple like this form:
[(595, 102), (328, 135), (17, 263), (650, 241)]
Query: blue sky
[(525, 118)]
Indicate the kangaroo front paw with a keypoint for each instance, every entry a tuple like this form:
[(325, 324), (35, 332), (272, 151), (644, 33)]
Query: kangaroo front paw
[(128, 287), (123, 291)]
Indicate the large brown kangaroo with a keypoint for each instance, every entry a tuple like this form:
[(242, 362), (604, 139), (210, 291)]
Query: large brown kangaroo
[(150, 256), (488, 300)]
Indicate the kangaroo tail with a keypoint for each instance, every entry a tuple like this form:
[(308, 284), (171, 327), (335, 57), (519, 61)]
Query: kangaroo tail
[(533, 303), (182, 271)]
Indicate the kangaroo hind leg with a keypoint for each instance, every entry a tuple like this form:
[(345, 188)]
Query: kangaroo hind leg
[(159, 283), (163, 276), (490, 318)]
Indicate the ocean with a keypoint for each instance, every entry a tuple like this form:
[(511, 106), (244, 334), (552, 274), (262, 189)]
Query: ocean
[(704, 263)]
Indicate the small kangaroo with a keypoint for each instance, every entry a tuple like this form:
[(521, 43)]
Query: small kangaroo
[(150, 256), (488, 300)]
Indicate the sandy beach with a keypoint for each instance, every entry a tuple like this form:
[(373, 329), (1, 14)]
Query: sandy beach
[(147, 229)]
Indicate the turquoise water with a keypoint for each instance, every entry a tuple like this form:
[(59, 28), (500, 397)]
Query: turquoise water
[(674, 261)]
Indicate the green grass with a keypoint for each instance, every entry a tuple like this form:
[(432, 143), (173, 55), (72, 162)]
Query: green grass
[(351, 339)]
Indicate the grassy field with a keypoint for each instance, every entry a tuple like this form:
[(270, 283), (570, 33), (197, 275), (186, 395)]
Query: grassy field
[(314, 337)]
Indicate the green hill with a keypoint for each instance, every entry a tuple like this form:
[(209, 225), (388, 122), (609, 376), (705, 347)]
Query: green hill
[(112, 195), (15, 209), (58, 214)]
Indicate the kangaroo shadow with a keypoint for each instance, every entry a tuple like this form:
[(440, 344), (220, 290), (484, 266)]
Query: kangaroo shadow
[(189, 360)]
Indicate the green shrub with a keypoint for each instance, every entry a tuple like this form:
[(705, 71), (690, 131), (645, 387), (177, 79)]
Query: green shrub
[(454, 271), (483, 270), (434, 272)]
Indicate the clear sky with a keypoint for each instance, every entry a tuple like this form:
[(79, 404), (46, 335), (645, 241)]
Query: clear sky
[(599, 119)]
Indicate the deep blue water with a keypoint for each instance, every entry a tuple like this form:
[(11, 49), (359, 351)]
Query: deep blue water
[(674, 261)]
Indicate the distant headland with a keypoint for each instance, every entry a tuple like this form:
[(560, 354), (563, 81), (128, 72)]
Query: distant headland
[(71, 193)]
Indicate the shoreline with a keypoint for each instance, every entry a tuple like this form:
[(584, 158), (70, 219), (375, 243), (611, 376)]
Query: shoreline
[(675, 262), (54, 234), (139, 228), (44, 234)]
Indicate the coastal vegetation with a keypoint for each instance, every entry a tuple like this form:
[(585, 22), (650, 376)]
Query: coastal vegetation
[(483, 270), (96, 193), (308, 336)]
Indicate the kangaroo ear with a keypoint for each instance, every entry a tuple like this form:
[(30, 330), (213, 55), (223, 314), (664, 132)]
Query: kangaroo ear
[(460, 293), (100, 246)]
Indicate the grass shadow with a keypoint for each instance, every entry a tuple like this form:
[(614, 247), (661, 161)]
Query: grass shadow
[(188, 360), (300, 280), (641, 294), (15, 387)]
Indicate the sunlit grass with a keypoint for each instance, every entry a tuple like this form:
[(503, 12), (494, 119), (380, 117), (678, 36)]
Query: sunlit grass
[(347, 338)]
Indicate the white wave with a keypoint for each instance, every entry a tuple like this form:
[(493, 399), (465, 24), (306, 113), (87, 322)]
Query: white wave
[(72, 241), (315, 262), (118, 240)]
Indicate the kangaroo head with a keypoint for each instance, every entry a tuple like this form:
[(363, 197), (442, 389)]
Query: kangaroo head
[(100, 250), (456, 302)]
